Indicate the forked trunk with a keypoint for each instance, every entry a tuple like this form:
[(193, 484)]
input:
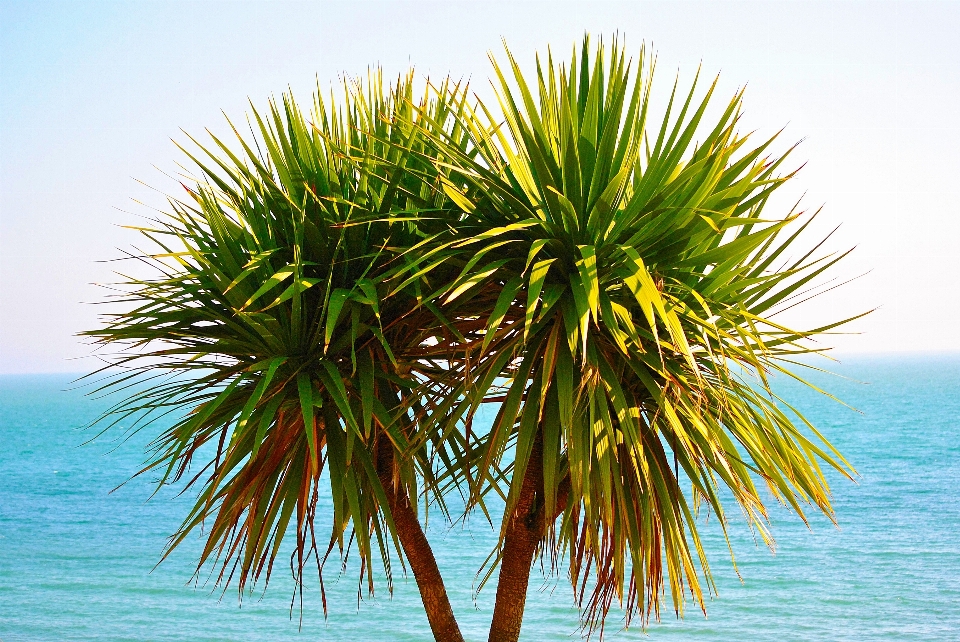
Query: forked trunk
[(417, 550)]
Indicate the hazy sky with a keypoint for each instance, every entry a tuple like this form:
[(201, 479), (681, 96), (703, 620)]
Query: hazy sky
[(91, 94)]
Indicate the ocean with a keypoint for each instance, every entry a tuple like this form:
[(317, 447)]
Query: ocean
[(78, 562)]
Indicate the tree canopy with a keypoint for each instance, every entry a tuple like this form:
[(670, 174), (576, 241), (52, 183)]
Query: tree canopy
[(344, 291)]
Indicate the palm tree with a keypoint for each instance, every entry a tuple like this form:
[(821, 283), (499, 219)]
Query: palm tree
[(275, 328), (641, 267), (345, 291)]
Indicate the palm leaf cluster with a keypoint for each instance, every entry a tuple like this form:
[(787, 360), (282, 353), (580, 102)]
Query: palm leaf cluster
[(276, 322), (646, 274), (348, 289)]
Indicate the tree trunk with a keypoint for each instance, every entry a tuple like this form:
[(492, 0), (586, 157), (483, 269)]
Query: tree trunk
[(524, 532), (417, 550)]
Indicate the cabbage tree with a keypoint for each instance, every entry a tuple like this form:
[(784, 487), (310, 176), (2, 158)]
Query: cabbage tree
[(272, 329), (344, 291), (640, 273)]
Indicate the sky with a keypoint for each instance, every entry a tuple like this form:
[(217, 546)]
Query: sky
[(93, 94)]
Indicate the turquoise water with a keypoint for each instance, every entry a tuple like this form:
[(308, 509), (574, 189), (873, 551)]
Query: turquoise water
[(77, 562)]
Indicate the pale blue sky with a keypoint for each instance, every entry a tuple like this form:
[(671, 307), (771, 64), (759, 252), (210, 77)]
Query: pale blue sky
[(92, 92)]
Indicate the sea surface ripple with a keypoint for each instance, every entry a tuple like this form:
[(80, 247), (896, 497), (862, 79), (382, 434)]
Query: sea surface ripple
[(78, 562)]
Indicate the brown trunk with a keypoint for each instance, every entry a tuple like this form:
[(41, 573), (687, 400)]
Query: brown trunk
[(524, 532), (417, 550)]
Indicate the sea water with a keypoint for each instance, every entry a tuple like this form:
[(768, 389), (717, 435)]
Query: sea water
[(79, 562)]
